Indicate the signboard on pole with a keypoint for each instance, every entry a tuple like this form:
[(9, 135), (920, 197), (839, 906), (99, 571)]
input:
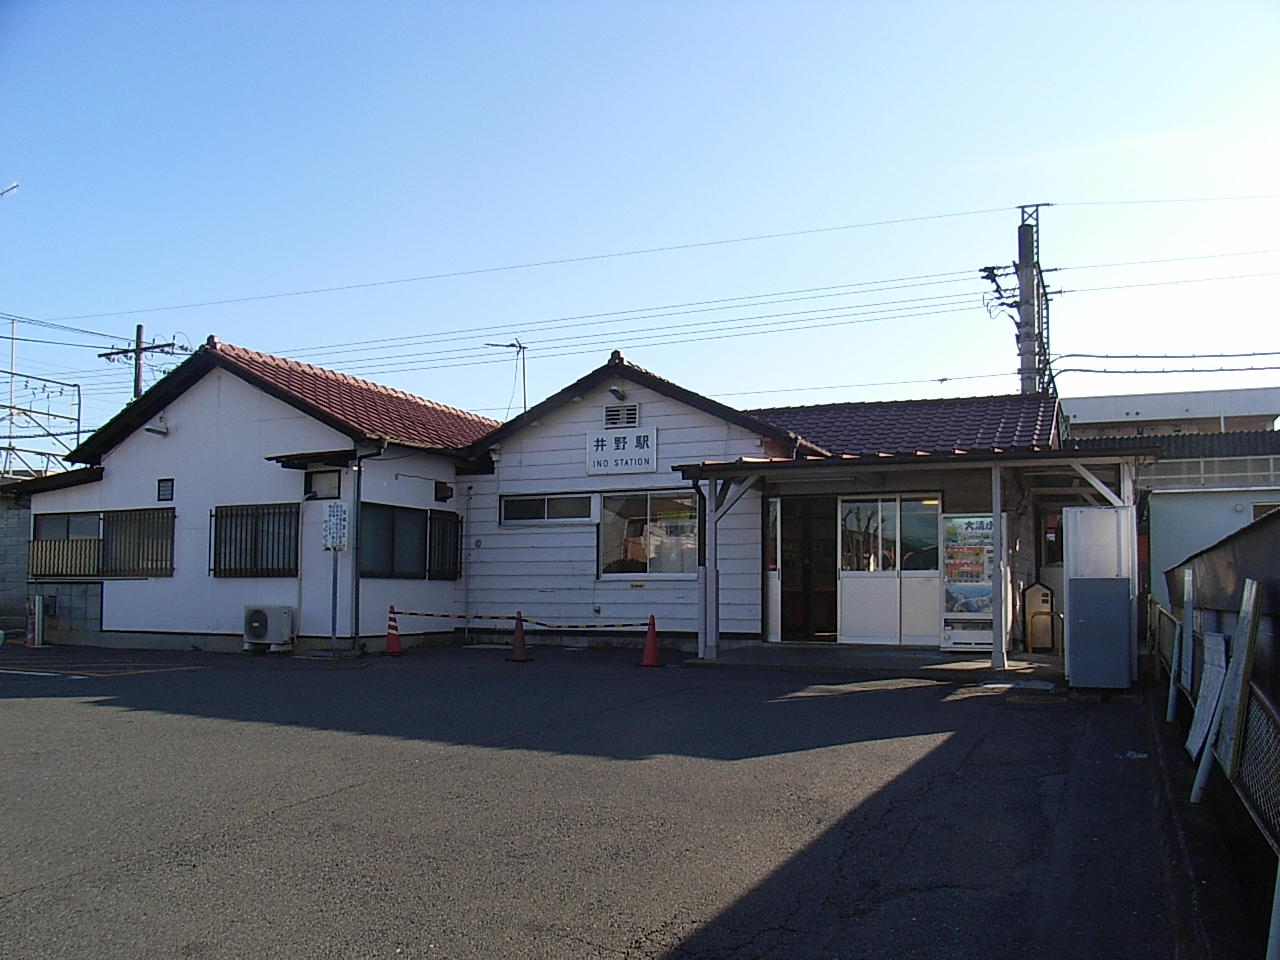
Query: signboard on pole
[(334, 528)]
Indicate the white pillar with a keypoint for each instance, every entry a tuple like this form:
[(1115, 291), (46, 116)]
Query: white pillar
[(713, 578), (704, 506), (999, 629)]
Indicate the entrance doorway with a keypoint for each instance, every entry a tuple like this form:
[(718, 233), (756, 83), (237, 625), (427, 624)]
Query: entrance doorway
[(809, 584), (890, 582)]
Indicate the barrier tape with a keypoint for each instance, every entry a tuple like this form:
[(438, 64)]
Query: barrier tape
[(528, 622)]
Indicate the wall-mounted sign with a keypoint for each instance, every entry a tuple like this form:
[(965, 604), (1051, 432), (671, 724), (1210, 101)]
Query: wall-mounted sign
[(623, 451), (334, 527)]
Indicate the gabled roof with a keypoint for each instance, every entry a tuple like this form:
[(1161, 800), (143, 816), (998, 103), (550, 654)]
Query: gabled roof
[(363, 411), (619, 368), (910, 427)]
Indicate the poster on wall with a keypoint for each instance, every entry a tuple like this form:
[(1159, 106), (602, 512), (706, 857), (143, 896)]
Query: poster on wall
[(967, 564)]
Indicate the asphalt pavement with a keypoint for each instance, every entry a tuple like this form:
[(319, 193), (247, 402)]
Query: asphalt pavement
[(453, 804)]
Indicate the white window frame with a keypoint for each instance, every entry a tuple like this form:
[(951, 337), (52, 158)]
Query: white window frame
[(649, 494), (593, 517)]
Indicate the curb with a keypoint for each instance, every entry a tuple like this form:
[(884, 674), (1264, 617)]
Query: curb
[(940, 674)]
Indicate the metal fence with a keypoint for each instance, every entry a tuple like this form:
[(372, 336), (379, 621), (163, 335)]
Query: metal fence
[(1257, 778), (64, 558)]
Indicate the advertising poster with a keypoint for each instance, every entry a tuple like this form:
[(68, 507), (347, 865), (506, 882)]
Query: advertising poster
[(967, 561)]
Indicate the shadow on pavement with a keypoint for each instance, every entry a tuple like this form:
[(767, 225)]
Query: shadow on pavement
[(474, 697)]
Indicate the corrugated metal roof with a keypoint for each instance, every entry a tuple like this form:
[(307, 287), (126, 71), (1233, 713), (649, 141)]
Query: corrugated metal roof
[(969, 424), (1193, 446)]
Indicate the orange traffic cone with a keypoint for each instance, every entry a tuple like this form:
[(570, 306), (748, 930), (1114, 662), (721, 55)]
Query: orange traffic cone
[(518, 652), (650, 658), (393, 635)]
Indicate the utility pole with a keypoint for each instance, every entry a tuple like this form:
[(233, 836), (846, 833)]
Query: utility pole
[(136, 352), (13, 349), (1030, 305), (1028, 324)]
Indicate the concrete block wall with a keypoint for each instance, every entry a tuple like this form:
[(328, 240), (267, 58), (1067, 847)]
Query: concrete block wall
[(77, 607), (15, 528)]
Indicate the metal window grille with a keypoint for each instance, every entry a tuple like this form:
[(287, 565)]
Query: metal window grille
[(64, 558), (137, 543), (444, 560), (254, 540)]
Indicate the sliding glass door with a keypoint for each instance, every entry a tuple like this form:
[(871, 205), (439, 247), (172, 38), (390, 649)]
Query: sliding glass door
[(890, 586)]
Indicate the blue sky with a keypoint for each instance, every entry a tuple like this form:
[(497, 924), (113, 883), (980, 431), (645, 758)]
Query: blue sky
[(182, 153)]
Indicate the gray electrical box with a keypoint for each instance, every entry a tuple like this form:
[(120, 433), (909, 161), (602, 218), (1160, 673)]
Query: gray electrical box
[(1100, 566), (1099, 630)]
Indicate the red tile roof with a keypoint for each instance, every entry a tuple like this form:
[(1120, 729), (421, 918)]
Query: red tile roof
[(358, 405), (912, 427)]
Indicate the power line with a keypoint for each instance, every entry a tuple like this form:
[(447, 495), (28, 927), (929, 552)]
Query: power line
[(1143, 263), (855, 386), (930, 279), (1167, 356), (58, 343), (830, 386), (1135, 203), (538, 263), (399, 368), (1170, 283), (58, 326), (889, 306), (1176, 370)]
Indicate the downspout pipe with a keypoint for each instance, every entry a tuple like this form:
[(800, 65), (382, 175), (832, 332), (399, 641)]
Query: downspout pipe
[(355, 549)]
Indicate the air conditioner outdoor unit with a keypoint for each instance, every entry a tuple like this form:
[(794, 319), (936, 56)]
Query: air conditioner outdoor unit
[(270, 627)]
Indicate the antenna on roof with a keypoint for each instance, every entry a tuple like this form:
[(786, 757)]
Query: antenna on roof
[(520, 349)]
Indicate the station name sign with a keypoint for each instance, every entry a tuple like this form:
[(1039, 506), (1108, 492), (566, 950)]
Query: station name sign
[(623, 451)]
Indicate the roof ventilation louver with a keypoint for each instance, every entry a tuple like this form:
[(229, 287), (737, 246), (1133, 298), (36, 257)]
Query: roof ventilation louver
[(622, 415)]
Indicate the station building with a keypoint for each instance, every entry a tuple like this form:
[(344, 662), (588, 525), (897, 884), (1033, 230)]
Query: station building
[(623, 495)]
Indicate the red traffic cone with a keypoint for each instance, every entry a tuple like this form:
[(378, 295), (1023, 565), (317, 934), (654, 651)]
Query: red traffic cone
[(650, 658), (393, 635), (518, 652)]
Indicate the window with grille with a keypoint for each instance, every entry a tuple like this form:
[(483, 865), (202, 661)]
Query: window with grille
[(622, 415), (137, 543), (254, 540), (117, 543), (444, 560)]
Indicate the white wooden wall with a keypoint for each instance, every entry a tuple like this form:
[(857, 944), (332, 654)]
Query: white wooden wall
[(548, 571)]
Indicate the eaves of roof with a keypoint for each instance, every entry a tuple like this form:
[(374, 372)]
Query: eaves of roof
[(53, 481), (921, 460), (250, 367)]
